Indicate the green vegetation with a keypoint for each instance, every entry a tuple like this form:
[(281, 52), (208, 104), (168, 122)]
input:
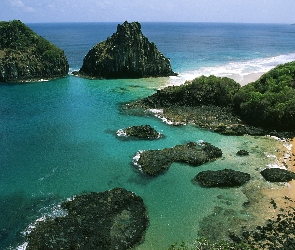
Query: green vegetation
[(24, 55), (270, 101), (212, 90), (17, 36)]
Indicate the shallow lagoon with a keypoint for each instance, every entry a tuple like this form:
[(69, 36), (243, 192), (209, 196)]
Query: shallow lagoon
[(59, 140)]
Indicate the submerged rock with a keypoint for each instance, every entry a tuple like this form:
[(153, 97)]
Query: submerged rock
[(140, 132), (126, 54), (115, 219), (277, 175), (25, 56), (242, 152), (155, 162), (222, 178)]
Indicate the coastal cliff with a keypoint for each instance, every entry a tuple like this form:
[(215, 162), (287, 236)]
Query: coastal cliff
[(26, 56), (126, 54)]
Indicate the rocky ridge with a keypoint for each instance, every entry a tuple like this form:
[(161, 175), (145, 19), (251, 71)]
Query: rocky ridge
[(126, 54), (26, 56)]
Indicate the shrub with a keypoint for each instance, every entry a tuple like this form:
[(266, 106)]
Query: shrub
[(270, 101)]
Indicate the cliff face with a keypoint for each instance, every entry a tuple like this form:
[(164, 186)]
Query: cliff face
[(126, 54), (25, 56)]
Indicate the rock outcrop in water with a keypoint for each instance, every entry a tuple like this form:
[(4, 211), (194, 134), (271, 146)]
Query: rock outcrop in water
[(25, 56), (242, 152), (277, 175), (155, 162), (126, 54), (139, 132), (115, 219), (222, 178)]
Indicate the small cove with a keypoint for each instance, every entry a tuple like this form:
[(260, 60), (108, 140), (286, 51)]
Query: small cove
[(58, 140)]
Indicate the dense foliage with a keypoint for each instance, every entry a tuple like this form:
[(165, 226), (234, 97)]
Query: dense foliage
[(270, 101), (17, 36), (24, 55), (212, 90)]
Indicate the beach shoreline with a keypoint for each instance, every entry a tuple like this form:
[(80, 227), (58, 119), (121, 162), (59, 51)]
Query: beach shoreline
[(282, 194), (248, 78)]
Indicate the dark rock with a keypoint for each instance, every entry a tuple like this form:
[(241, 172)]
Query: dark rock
[(274, 204), (115, 219), (126, 54), (155, 162), (277, 175), (222, 178), (25, 56), (235, 238), (140, 132), (242, 152)]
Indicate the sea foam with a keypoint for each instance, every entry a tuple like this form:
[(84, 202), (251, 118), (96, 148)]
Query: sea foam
[(238, 70), (55, 212)]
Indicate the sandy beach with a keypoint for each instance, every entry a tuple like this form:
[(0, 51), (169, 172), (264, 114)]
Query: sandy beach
[(288, 158), (283, 194), (244, 80)]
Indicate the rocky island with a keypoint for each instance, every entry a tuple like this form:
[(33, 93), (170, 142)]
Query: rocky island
[(114, 219), (26, 56), (126, 54), (143, 132)]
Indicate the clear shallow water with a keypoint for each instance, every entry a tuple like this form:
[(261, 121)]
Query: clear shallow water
[(58, 137)]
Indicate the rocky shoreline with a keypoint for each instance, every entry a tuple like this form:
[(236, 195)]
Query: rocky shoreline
[(176, 106), (221, 120)]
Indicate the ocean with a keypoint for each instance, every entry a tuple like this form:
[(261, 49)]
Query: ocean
[(58, 138)]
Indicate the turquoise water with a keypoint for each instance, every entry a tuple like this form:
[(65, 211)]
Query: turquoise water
[(58, 138)]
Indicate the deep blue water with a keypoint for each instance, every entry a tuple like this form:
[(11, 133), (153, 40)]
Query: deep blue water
[(58, 137)]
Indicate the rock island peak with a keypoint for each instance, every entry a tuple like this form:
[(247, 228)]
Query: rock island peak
[(126, 54)]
